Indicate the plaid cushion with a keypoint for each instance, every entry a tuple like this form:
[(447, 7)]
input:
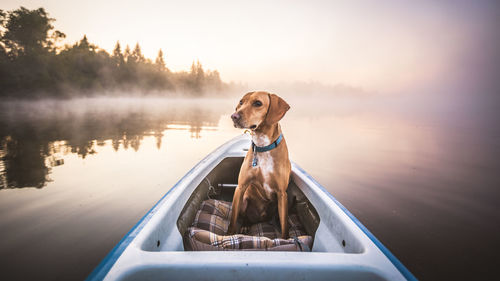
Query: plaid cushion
[(273, 230), (211, 223), (216, 207), (213, 216)]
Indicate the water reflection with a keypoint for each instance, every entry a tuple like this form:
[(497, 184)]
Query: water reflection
[(23, 163), (35, 136)]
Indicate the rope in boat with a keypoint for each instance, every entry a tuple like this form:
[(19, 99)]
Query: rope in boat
[(211, 189)]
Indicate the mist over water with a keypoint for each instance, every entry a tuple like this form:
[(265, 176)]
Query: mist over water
[(76, 175)]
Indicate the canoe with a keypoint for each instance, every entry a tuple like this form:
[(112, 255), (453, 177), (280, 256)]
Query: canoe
[(343, 248)]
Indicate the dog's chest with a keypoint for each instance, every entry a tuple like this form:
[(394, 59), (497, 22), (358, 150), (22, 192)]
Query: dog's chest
[(265, 164), (266, 168), (264, 159)]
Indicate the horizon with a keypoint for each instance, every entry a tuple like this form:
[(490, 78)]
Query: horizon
[(392, 47)]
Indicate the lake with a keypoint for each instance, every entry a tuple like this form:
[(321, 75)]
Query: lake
[(76, 175)]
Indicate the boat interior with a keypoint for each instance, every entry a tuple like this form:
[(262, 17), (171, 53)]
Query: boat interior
[(220, 184), (216, 177)]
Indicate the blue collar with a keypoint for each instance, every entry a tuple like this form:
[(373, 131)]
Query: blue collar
[(268, 147)]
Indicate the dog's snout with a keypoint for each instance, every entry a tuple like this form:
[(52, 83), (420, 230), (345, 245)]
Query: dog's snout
[(236, 116)]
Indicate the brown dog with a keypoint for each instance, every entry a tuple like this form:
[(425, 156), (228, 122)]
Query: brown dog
[(265, 172)]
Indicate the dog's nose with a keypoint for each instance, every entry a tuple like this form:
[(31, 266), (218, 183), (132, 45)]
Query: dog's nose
[(235, 116)]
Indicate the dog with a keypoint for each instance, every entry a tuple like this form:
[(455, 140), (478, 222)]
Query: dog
[(265, 172)]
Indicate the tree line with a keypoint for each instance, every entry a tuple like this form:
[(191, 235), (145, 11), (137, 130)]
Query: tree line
[(34, 64)]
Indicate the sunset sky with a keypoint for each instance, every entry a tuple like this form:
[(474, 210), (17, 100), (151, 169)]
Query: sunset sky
[(380, 45)]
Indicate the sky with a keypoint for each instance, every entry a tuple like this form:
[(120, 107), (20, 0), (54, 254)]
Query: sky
[(375, 45)]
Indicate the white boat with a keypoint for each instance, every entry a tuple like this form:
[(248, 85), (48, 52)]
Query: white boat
[(343, 248)]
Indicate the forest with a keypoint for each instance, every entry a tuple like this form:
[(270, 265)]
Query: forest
[(35, 64)]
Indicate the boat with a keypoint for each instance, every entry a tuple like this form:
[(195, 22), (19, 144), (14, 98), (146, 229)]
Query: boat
[(153, 249)]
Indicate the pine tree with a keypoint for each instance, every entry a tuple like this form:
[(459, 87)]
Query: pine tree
[(197, 71), (126, 53), (84, 44), (197, 76), (160, 63), (137, 55), (117, 54)]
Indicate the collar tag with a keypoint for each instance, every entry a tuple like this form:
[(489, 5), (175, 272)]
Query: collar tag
[(254, 160)]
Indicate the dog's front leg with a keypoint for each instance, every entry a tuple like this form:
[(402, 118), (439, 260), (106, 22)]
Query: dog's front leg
[(283, 213), (235, 209)]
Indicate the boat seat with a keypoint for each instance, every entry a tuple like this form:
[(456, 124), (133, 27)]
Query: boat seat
[(208, 232)]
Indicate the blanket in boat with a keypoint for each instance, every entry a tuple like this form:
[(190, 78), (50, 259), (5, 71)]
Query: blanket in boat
[(208, 232)]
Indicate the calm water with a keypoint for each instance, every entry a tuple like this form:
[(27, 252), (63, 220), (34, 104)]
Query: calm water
[(76, 175)]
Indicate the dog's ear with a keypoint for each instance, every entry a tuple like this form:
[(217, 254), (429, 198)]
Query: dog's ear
[(277, 109)]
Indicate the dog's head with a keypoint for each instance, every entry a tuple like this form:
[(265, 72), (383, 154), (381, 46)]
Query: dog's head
[(256, 108)]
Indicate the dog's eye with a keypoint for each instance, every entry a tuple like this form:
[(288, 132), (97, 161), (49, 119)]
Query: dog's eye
[(241, 102), (257, 103)]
